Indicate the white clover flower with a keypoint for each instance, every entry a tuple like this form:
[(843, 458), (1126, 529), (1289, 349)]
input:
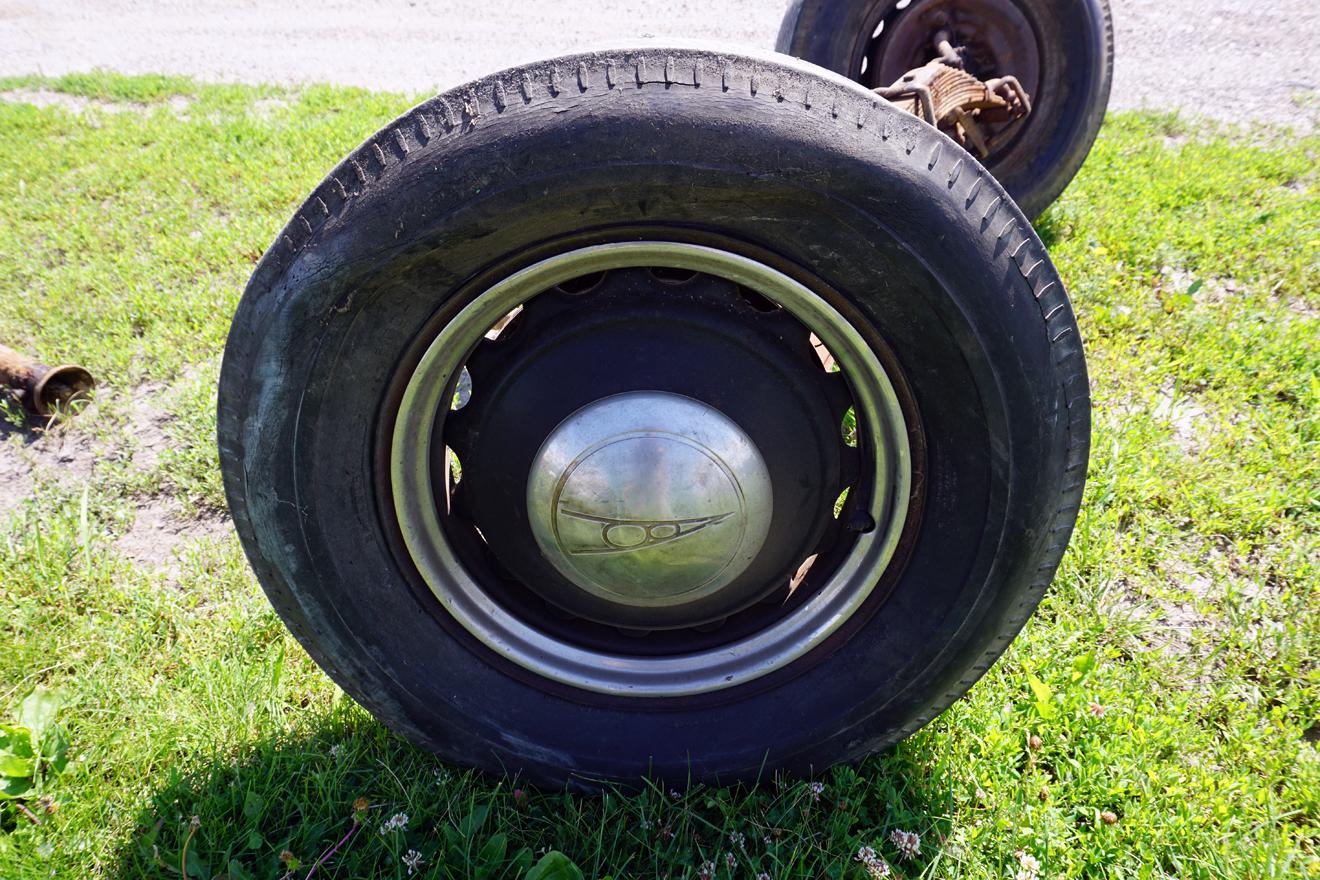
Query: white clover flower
[(817, 789), (1028, 866), (412, 858), (908, 843), (730, 859), (737, 839), (955, 845), (876, 867), (397, 822), (763, 876), (336, 750)]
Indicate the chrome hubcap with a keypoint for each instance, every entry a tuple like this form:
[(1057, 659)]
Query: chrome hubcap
[(649, 499)]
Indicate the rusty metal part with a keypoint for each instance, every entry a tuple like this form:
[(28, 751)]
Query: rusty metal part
[(948, 54), (944, 94), (947, 63), (986, 38), (42, 389)]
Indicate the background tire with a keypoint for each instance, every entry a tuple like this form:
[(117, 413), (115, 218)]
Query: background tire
[(774, 159), (1075, 45)]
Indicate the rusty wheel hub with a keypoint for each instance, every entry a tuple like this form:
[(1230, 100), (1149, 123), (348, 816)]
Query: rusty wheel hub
[(969, 67)]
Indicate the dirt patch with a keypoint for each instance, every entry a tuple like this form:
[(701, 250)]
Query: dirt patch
[(160, 529), (148, 421), (79, 104), (1210, 291), (118, 433), (1222, 292), (47, 98), (1300, 307), (129, 426), (28, 452), (1181, 616), (265, 108), (1157, 622), (1205, 590), (1184, 416)]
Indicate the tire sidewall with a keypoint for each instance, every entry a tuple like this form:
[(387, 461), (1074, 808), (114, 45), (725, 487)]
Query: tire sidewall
[(310, 354)]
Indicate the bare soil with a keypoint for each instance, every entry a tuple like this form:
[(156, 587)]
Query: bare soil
[(160, 530), (38, 455)]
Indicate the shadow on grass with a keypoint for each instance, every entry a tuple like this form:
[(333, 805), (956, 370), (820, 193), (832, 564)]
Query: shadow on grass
[(277, 808), (1050, 226), (15, 421)]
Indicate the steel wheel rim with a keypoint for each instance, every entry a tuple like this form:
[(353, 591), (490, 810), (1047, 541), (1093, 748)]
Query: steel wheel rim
[(882, 430)]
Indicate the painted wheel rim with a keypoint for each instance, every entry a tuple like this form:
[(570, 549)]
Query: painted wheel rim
[(882, 432)]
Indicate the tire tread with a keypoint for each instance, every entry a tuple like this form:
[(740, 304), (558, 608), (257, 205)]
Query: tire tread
[(823, 99)]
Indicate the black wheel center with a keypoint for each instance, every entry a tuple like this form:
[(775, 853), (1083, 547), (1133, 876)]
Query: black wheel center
[(638, 333)]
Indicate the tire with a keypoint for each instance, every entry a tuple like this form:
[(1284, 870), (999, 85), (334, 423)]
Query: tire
[(760, 160), (1075, 42)]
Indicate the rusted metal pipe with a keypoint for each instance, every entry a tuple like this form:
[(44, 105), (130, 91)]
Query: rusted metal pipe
[(43, 389)]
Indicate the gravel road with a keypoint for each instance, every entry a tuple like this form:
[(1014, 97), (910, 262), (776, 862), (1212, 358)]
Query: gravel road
[(1226, 58)]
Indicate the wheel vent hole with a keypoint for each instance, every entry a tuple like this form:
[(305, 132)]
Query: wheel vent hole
[(757, 301), (840, 501), (453, 474), (581, 284), (503, 326), (462, 391), (849, 428), (670, 275), (801, 574), (826, 358)]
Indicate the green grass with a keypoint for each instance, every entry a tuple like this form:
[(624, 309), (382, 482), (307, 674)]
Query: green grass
[(1171, 730)]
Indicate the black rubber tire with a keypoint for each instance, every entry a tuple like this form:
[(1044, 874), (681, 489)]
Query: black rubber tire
[(769, 153), (1076, 40)]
